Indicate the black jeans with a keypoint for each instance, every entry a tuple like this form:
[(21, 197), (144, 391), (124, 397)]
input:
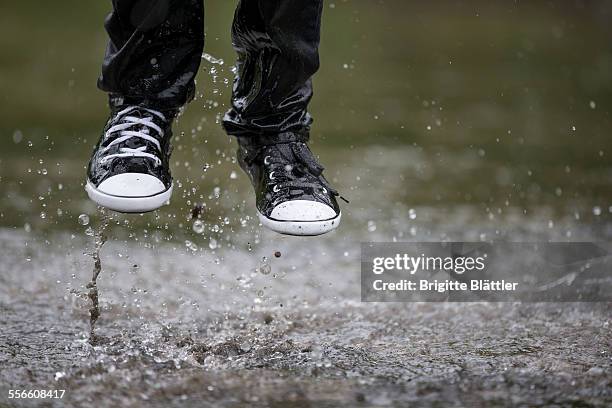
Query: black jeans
[(155, 50)]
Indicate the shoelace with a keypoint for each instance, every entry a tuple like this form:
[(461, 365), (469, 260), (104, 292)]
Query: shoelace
[(123, 127), (310, 173)]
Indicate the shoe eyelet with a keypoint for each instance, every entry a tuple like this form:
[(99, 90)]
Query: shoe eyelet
[(324, 190), (266, 161), (271, 176), (276, 188)]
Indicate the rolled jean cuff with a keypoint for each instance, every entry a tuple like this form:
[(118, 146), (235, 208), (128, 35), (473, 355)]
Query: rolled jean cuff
[(256, 140), (118, 101)]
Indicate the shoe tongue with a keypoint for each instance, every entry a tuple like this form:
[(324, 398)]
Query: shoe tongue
[(286, 152), (133, 143), (141, 113), (299, 153), (304, 155)]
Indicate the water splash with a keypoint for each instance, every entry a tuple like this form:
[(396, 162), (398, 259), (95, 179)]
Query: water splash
[(264, 266), (212, 59), (99, 240)]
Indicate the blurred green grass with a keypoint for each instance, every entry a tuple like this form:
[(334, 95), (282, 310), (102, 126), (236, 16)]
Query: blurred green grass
[(489, 55), (527, 86)]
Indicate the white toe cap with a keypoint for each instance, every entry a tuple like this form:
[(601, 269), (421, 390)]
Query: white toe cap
[(132, 185), (302, 210)]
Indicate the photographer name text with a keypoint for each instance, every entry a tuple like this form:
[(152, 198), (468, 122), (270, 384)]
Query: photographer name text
[(412, 265)]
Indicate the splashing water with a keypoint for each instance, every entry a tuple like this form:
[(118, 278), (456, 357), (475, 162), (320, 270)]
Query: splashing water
[(264, 266), (83, 219), (212, 59), (99, 240)]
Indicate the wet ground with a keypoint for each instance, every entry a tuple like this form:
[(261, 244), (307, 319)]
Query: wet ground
[(200, 321), (487, 122), (224, 327)]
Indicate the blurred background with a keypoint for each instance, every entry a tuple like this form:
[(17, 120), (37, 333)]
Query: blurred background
[(440, 120), (440, 112)]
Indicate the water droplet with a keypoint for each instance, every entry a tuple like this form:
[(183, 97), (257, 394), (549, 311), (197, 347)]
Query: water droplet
[(245, 346), (412, 214), (17, 136), (198, 227), (84, 219), (265, 269), (190, 245), (264, 266), (212, 244), (212, 59)]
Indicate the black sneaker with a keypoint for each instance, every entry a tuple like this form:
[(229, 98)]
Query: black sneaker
[(293, 197), (129, 168)]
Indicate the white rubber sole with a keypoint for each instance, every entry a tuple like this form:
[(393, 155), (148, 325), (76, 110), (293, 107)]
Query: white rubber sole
[(300, 228), (128, 204)]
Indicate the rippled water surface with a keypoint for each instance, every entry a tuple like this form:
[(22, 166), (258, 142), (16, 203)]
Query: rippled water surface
[(446, 121)]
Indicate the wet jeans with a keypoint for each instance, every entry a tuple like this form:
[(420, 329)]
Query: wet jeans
[(155, 50)]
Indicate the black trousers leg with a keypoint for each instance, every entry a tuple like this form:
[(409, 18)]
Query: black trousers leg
[(277, 43), (154, 52)]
